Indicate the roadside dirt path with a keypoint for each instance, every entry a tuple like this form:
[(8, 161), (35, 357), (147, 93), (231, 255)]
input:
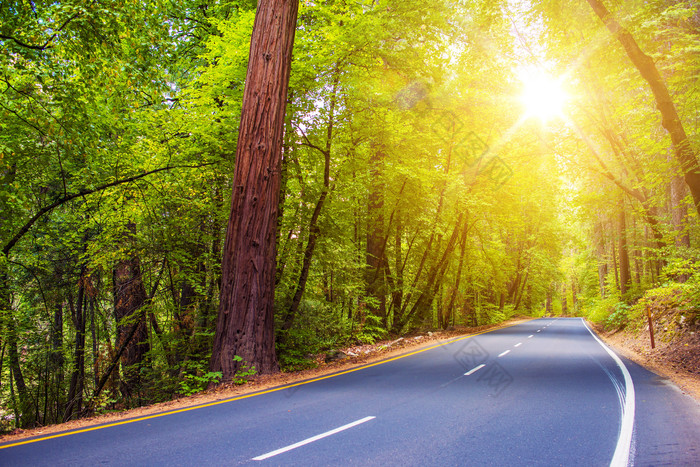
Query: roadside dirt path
[(678, 360)]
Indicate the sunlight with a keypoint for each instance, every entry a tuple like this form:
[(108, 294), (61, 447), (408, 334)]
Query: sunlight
[(542, 96)]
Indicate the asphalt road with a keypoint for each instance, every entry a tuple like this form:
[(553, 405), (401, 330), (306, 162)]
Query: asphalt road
[(545, 392)]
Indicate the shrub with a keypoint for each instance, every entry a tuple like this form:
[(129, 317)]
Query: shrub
[(316, 329), (619, 317), (600, 309)]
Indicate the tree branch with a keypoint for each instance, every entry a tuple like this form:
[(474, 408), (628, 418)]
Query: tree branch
[(669, 117), (308, 142), (48, 41), (28, 225)]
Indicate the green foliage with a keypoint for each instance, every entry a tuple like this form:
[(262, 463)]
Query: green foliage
[(245, 371), (423, 124), (105, 401), (669, 302), (296, 348), (599, 310), (194, 383), (619, 317), (369, 330), (496, 317), (317, 330)]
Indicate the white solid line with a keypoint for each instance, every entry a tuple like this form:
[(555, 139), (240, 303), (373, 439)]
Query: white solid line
[(312, 439), (474, 370), (530, 336), (503, 353), (518, 344), (624, 441)]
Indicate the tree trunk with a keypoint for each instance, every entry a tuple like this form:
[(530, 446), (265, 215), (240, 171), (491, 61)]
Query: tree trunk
[(615, 268), (376, 289), (26, 419), (191, 304), (455, 291), (669, 117), (8, 329), (434, 279), (679, 212), (397, 293), (129, 296), (564, 301), (56, 357), (213, 276), (314, 230), (625, 276), (522, 290), (440, 308), (601, 256), (245, 324), (77, 380)]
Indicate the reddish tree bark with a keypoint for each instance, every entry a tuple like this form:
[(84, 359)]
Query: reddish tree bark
[(245, 324)]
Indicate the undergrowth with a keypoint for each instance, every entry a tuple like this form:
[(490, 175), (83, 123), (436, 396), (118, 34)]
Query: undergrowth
[(673, 305)]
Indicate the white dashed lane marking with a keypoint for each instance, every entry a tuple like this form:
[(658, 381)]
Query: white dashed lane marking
[(312, 439), (474, 370)]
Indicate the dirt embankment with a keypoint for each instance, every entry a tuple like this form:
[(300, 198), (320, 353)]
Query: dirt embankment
[(676, 354), (327, 363)]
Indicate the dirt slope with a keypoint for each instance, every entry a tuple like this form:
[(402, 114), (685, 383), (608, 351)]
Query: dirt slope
[(675, 356)]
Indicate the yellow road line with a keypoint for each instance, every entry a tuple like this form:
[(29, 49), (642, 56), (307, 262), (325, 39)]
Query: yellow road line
[(246, 396)]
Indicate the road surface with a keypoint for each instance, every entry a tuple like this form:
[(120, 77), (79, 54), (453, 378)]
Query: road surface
[(544, 392)]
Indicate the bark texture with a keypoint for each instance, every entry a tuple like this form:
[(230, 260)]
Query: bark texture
[(245, 325)]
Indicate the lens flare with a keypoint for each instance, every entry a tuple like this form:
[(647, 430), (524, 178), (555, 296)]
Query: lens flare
[(543, 96)]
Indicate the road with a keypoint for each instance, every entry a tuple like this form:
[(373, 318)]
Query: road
[(544, 392)]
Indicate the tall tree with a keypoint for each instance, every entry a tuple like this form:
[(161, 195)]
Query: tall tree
[(685, 154), (245, 325), (625, 276), (129, 298), (376, 289)]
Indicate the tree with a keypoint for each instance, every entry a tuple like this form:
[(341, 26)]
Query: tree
[(129, 298), (685, 154), (245, 325)]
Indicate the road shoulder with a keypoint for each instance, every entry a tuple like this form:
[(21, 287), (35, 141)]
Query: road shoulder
[(630, 347)]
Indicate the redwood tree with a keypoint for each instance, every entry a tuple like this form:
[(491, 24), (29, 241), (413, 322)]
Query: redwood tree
[(245, 325)]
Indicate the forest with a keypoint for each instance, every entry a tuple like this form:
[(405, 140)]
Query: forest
[(442, 164)]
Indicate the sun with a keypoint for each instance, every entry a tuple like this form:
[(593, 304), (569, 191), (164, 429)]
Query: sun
[(542, 96)]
